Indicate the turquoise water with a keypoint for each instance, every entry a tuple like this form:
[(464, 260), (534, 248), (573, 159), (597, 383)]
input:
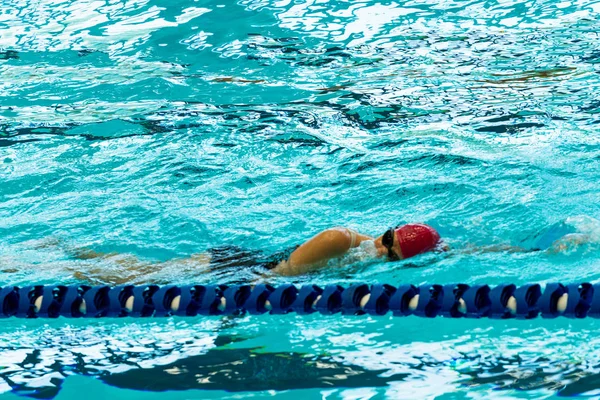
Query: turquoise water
[(160, 129)]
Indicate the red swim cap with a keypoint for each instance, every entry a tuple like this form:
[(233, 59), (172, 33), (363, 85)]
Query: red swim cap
[(416, 239)]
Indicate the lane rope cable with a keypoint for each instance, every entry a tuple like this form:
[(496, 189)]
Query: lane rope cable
[(578, 300)]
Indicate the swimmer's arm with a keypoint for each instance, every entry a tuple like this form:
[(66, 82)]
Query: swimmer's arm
[(495, 248), (319, 249), (565, 243)]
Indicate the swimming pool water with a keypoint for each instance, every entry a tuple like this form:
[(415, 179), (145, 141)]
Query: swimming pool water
[(160, 129)]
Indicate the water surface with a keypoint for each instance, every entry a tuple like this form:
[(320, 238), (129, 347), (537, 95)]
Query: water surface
[(160, 129)]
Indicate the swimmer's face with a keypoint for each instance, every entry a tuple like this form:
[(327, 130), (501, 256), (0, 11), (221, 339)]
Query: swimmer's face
[(389, 242)]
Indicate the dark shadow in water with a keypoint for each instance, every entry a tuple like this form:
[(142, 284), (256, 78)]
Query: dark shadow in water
[(8, 143), (8, 55), (243, 370), (232, 370), (7, 131), (509, 128)]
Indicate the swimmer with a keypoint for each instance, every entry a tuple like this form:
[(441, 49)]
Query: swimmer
[(397, 243), (335, 247), (339, 244)]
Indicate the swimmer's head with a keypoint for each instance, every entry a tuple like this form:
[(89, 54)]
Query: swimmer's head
[(409, 240)]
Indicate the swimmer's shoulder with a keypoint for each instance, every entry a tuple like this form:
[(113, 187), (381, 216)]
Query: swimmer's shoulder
[(356, 238)]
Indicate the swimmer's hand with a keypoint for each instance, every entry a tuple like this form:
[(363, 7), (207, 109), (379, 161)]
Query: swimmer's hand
[(443, 247)]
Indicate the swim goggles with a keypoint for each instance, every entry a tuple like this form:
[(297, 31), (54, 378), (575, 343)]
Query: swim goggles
[(388, 241)]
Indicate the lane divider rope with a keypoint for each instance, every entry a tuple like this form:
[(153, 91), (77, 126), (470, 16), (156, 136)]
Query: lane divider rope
[(503, 301)]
